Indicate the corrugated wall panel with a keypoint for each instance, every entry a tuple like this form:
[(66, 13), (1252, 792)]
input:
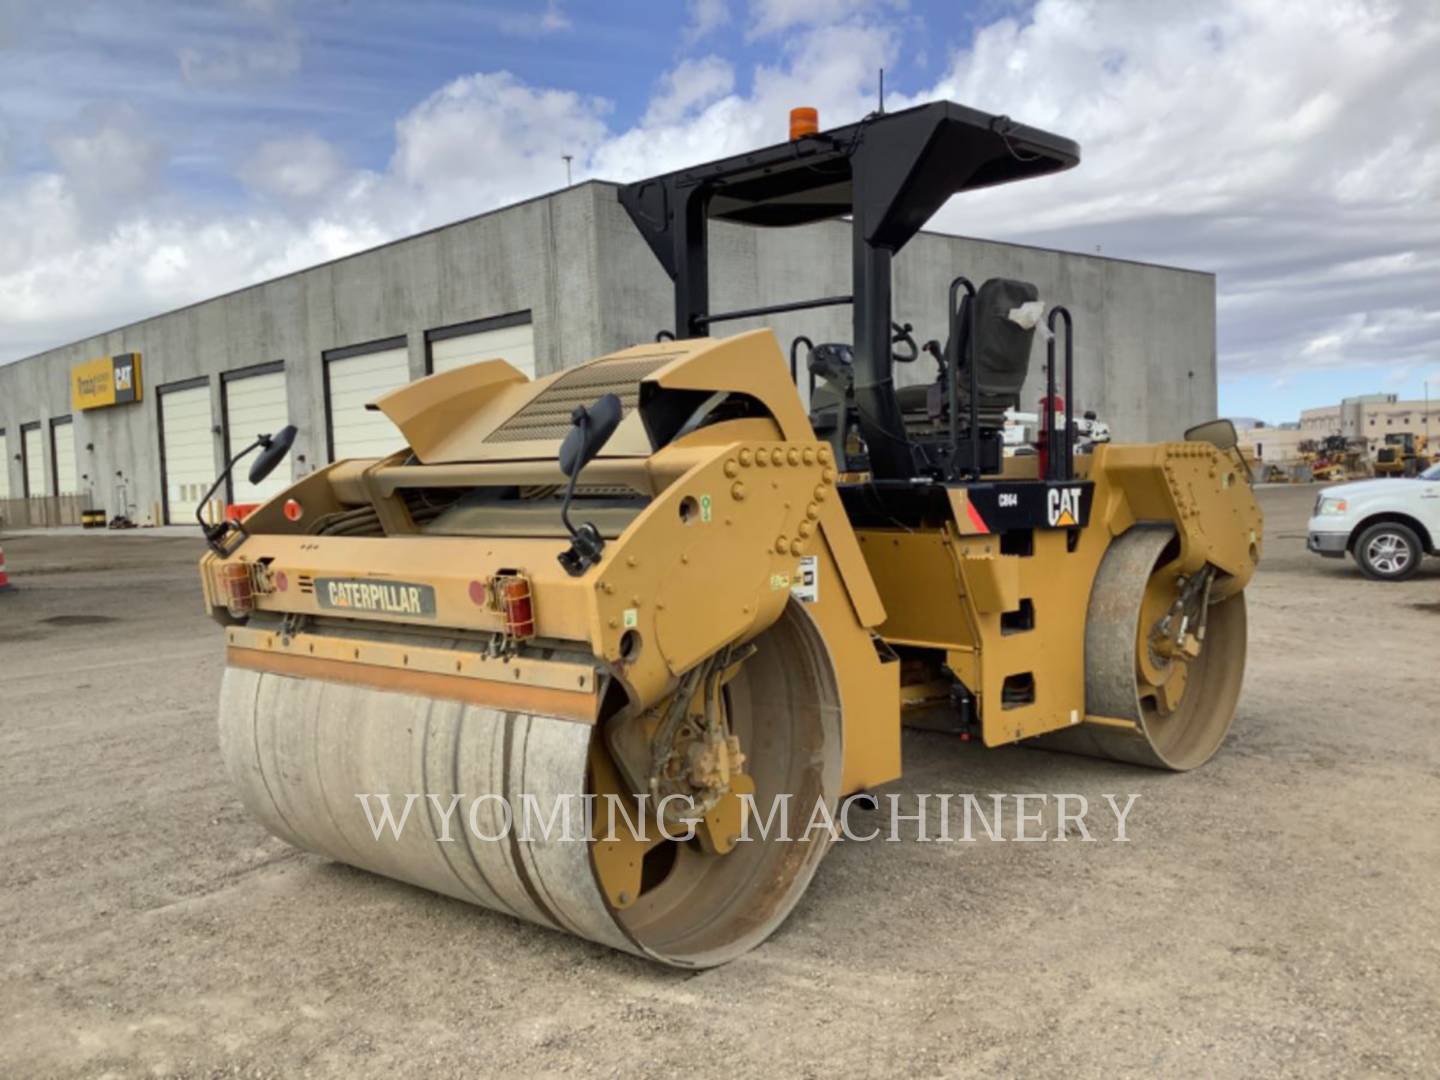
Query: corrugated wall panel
[(355, 381), (513, 343), (66, 459), (256, 405), (35, 462), (189, 451)]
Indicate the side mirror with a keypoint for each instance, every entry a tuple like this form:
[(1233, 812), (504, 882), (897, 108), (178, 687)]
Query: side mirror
[(274, 452), (1218, 433), (592, 430)]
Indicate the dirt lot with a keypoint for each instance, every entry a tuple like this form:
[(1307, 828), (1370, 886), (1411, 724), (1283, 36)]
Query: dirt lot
[(1277, 912)]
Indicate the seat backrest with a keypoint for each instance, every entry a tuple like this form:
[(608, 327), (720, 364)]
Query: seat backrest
[(1004, 331), (1002, 340)]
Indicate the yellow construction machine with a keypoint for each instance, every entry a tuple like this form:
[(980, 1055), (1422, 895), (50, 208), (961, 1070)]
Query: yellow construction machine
[(1402, 454), (657, 579)]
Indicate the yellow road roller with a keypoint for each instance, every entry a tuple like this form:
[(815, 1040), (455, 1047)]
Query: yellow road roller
[(667, 581)]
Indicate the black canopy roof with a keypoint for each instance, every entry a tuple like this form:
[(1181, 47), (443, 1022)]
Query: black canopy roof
[(890, 172), (933, 151)]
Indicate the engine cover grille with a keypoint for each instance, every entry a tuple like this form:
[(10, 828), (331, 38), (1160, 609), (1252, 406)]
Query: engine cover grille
[(547, 416)]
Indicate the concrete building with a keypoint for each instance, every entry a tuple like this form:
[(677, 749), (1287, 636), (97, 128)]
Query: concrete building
[(545, 283), (1373, 416), (1277, 445)]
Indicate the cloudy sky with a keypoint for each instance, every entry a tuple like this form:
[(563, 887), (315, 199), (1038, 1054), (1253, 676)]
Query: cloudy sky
[(155, 153)]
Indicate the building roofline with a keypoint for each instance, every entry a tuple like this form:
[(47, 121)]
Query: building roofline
[(515, 206)]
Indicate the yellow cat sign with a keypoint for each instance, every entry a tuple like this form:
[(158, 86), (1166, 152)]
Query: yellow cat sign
[(108, 380)]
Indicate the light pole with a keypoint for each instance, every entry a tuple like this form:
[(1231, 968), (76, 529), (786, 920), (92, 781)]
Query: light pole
[(568, 158)]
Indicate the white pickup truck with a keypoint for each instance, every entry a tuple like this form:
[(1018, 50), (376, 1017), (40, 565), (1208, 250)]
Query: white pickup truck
[(1387, 525)]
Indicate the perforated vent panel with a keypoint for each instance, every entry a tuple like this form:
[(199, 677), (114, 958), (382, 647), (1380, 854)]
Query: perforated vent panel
[(548, 416)]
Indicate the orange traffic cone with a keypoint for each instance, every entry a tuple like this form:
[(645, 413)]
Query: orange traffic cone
[(5, 585)]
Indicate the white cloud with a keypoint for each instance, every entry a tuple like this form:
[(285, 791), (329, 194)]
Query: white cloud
[(294, 169), (832, 69), (548, 20), (243, 60), (107, 155), (688, 87), (237, 42), (1291, 148), (774, 16), (706, 16), (488, 139)]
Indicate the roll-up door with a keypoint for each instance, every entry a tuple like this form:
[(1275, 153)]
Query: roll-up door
[(62, 451), (187, 448), (33, 448), (352, 379), (509, 337), (255, 404)]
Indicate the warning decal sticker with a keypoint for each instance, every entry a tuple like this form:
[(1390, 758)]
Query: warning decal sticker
[(806, 588)]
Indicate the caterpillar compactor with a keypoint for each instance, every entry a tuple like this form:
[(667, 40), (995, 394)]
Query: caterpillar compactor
[(657, 579)]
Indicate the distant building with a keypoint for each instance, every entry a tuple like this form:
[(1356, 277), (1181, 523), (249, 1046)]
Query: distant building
[(1368, 416), (1373, 416), (1276, 445)]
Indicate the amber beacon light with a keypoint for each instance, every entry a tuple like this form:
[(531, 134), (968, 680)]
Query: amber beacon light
[(803, 121)]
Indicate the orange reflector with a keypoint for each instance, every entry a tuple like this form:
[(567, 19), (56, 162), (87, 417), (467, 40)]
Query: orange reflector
[(519, 612), (293, 510), (235, 589), (803, 122)]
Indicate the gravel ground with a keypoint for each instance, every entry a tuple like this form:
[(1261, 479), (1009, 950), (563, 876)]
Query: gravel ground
[(1275, 913)]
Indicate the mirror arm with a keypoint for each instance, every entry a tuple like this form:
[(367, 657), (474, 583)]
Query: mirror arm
[(215, 534), (583, 423), (586, 543)]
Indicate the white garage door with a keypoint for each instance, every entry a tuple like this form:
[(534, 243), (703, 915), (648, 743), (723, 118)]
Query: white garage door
[(513, 343), (4, 465), (66, 475), (256, 405), (34, 462), (354, 381), (188, 449)]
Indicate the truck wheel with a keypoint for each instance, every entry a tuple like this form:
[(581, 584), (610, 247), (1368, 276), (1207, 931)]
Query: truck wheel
[(1388, 551)]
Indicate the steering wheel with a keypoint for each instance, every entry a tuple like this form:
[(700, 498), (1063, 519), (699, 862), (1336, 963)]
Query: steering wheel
[(904, 335)]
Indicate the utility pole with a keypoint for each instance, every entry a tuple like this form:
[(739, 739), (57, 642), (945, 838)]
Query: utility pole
[(568, 158)]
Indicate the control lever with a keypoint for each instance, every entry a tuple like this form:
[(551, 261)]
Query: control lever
[(904, 334)]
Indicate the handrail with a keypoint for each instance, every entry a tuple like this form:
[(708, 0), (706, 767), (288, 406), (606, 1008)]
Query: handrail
[(952, 387), (1068, 456), (794, 365)]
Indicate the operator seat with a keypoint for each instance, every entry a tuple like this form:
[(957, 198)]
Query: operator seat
[(1000, 346), (1001, 354)]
